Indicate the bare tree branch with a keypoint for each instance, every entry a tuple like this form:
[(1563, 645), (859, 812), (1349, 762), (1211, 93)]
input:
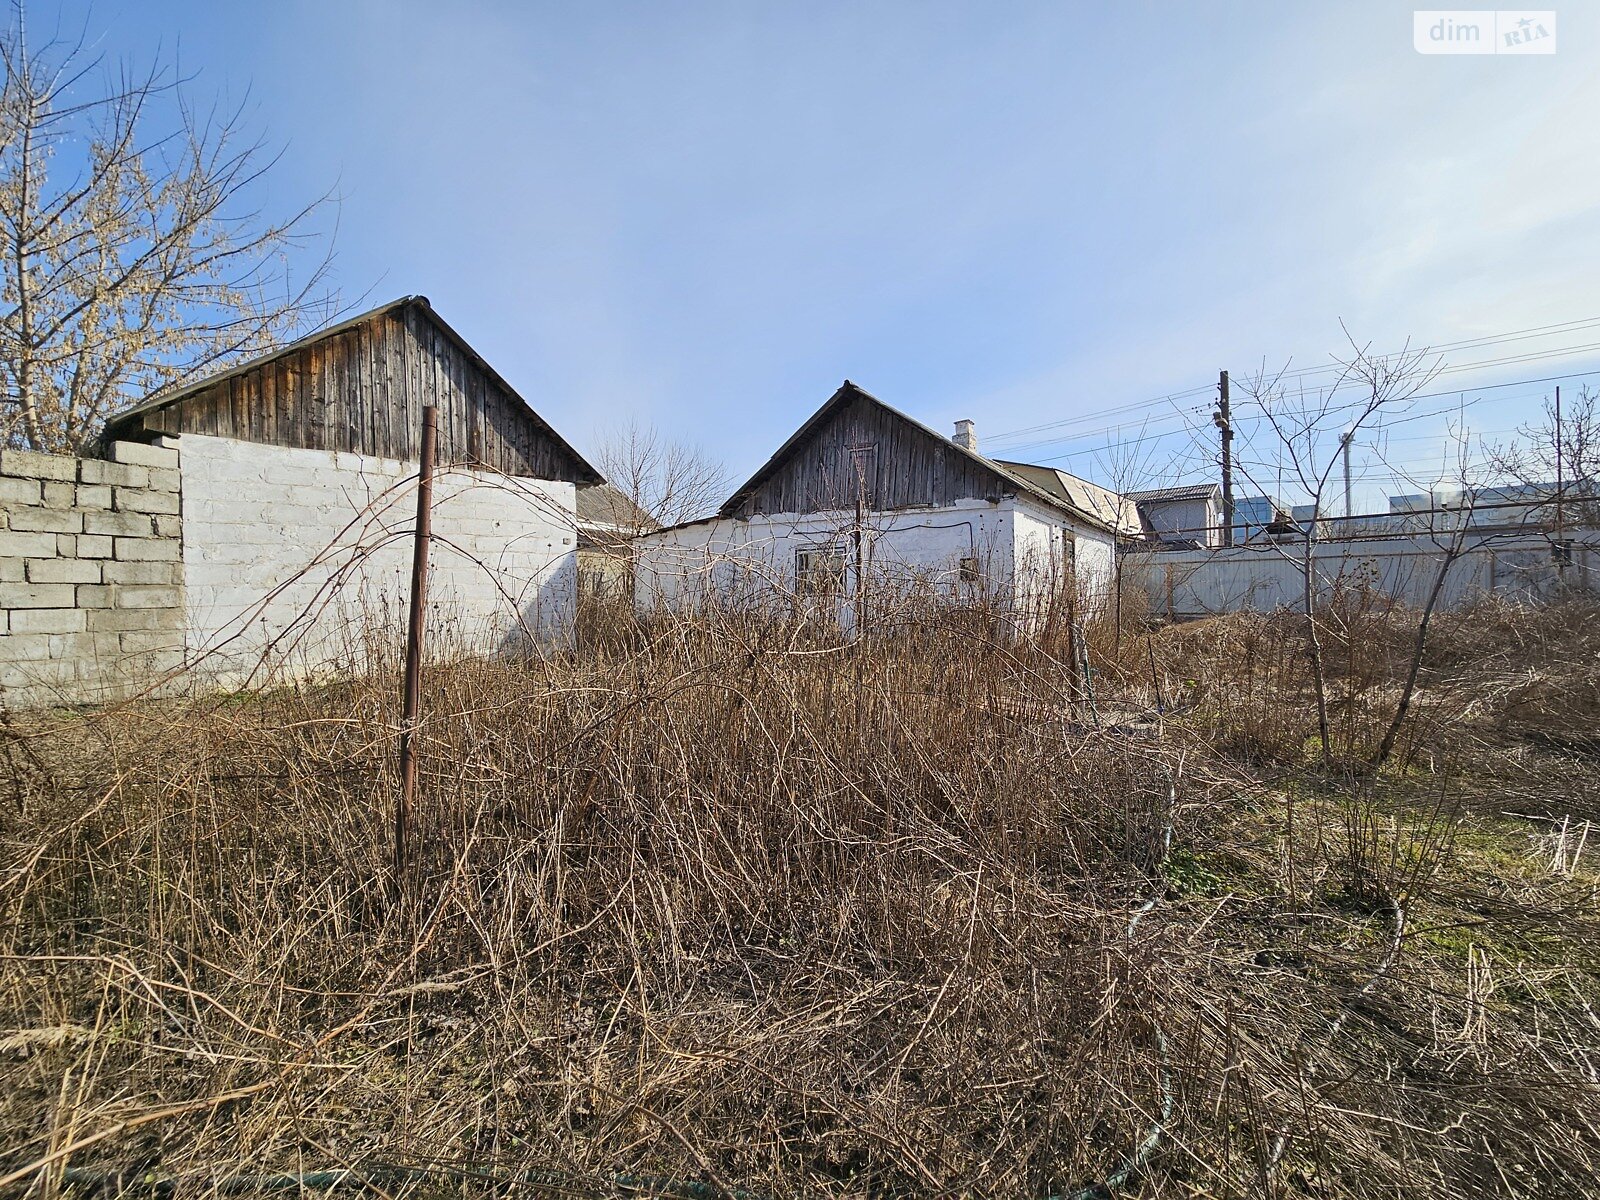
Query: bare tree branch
[(669, 482), (132, 258)]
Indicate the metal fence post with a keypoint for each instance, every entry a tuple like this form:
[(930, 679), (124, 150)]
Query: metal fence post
[(411, 699)]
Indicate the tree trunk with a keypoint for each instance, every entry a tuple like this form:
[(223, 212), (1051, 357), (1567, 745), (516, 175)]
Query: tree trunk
[(1414, 667), (1314, 647), (26, 400)]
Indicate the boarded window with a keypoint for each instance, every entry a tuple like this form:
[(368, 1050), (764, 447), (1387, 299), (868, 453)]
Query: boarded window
[(819, 571)]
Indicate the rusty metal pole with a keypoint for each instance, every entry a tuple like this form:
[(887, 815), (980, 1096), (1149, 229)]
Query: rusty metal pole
[(411, 700)]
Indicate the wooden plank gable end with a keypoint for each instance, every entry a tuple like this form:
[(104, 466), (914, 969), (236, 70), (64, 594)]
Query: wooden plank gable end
[(362, 387), (912, 467)]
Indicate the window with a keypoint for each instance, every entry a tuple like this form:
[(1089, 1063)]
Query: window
[(819, 571), (969, 570)]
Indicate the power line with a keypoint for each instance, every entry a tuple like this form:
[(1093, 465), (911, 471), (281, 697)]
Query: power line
[(1471, 343), (1157, 435), (1100, 413), (1467, 343)]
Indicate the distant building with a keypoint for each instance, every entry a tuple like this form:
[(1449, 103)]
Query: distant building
[(1190, 516), (1119, 512), (1258, 518), (608, 521), (1487, 510)]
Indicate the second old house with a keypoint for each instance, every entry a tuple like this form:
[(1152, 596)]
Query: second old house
[(864, 508)]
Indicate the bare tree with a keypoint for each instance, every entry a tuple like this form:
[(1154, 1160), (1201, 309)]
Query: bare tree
[(1559, 456), (1449, 532), (1127, 464), (665, 482), (132, 258), (1306, 429)]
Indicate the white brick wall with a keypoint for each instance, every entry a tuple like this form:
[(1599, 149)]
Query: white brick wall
[(299, 560), (91, 586)]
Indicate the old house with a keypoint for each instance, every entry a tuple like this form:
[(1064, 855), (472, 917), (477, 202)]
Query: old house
[(608, 522), (296, 493), (863, 504), (1185, 516)]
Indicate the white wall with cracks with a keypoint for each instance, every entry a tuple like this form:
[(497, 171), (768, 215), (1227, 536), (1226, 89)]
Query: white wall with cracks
[(299, 560)]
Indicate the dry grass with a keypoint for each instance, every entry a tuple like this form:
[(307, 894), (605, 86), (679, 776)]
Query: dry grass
[(724, 901)]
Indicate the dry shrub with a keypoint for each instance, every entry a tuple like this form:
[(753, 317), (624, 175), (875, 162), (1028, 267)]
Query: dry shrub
[(1246, 681), (723, 908), (725, 898), (1534, 670)]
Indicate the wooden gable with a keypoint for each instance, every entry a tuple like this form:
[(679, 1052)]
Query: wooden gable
[(361, 387), (854, 437)]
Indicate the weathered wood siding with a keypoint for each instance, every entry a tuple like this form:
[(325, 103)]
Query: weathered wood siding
[(363, 390), (912, 467)]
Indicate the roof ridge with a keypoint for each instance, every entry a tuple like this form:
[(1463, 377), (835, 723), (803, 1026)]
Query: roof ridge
[(847, 389)]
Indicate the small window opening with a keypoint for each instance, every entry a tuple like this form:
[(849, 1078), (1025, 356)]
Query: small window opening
[(819, 572)]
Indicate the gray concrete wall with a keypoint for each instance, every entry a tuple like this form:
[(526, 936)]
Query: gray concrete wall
[(129, 576), (1197, 583), (91, 576)]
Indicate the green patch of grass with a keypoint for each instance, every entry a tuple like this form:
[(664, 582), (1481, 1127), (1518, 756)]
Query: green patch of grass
[(1189, 873)]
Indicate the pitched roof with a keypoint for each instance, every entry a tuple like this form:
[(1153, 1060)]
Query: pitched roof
[(1102, 502), (849, 392), (165, 399), (1193, 491), (604, 506)]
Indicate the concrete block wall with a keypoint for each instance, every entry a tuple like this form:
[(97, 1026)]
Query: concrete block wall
[(91, 575), (298, 560)]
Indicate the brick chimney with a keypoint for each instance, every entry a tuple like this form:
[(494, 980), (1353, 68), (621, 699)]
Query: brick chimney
[(966, 436)]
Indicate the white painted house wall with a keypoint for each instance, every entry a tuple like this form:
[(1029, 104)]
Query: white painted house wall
[(753, 560), (294, 557), (1040, 536)]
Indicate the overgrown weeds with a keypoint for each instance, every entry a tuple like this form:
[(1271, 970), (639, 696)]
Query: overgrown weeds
[(726, 901)]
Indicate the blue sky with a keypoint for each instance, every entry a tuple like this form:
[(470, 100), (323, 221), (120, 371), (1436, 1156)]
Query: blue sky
[(706, 215)]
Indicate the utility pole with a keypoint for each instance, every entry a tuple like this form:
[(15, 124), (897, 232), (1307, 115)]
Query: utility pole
[(1344, 445), (1223, 418)]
